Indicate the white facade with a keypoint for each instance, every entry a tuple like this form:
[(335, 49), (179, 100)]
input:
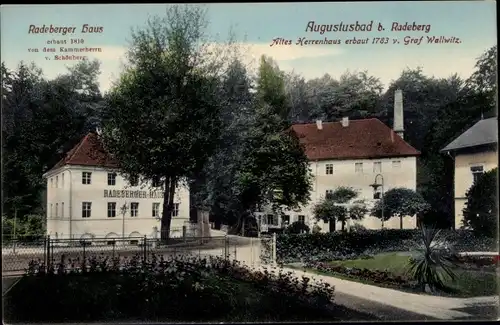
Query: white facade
[(360, 175), (117, 209)]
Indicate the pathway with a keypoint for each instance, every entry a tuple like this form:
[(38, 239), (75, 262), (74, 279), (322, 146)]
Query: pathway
[(427, 306)]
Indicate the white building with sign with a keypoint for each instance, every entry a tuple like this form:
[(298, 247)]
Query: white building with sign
[(88, 198)]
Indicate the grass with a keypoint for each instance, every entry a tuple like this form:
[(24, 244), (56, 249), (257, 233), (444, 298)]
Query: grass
[(468, 283)]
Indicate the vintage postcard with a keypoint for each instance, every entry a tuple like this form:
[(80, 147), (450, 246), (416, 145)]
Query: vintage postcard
[(250, 162)]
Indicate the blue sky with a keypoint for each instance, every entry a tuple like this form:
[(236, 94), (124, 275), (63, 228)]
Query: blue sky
[(473, 22)]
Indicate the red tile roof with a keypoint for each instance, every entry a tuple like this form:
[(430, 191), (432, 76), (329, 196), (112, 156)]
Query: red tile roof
[(88, 152), (361, 139)]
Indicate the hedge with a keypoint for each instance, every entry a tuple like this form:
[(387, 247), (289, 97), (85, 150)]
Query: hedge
[(343, 245)]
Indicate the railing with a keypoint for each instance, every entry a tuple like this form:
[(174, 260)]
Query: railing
[(51, 251)]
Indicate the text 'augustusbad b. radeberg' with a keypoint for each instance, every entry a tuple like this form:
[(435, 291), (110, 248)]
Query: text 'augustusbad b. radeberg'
[(366, 27)]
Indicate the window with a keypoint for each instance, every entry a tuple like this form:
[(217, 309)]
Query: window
[(156, 182), (156, 210), (396, 163), (111, 209), (175, 210), (62, 180), (57, 181), (134, 209), (302, 219), (51, 182), (328, 194), (329, 169), (62, 210), (86, 178), (51, 208), (57, 210), (477, 171), (377, 167), (134, 180), (358, 167), (270, 219), (86, 209), (285, 219), (377, 193), (111, 179)]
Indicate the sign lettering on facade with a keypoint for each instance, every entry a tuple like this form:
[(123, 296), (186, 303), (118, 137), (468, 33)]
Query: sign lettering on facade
[(134, 194)]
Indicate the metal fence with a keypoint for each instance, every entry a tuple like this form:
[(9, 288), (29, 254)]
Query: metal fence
[(251, 251)]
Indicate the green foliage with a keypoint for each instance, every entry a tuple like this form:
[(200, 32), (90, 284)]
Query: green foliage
[(399, 202), (344, 245), (32, 108), (172, 87), (297, 227), (327, 210), (27, 227), (434, 261), (164, 289), (481, 209)]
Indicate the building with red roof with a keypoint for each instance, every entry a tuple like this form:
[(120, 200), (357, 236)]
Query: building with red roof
[(87, 197), (358, 154)]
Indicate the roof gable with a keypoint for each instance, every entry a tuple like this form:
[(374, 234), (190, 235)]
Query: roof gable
[(482, 133), (361, 139), (88, 152)]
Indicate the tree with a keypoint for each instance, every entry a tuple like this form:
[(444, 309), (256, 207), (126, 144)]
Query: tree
[(329, 210), (399, 202), (33, 108), (162, 119), (484, 78), (481, 210), (297, 227)]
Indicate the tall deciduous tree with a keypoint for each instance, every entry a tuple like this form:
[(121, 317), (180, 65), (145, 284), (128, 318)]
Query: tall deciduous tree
[(399, 202), (162, 119)]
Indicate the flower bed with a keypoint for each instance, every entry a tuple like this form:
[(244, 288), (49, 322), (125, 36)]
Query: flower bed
[(375, 276), (478, 262), (340, 246), (180, 289)]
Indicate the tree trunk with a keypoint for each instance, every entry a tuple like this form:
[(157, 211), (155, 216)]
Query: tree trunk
[(343, 225), (168, 206), (400, 222), (331, 225)]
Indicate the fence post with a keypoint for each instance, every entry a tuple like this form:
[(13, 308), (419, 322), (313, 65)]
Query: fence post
[(145, 248), (274, 249), (47, 249), (84, 242), (114, 247), (184, 233), (226, 247)]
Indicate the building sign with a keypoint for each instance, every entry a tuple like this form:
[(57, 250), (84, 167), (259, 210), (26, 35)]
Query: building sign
[(134, 194)]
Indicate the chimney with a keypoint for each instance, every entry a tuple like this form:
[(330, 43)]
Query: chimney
[(345, 122), (319, 124), (398, 121)]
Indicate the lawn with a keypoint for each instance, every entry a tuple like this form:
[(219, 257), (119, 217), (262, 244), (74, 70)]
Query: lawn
[(468, 283)]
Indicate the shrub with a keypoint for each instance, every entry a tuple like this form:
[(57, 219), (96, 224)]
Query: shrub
[(481, 210), (297, 227), (337, 245), (434, 262), (159, 288)]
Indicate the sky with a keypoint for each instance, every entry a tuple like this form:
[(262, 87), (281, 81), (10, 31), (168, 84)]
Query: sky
[(470, 24)]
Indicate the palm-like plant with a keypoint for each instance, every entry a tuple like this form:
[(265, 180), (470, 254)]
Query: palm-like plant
[(435, 261)]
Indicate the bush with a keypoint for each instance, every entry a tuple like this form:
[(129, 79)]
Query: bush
[(481, 211), (297, 227), (103, 288), (340, 245)]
